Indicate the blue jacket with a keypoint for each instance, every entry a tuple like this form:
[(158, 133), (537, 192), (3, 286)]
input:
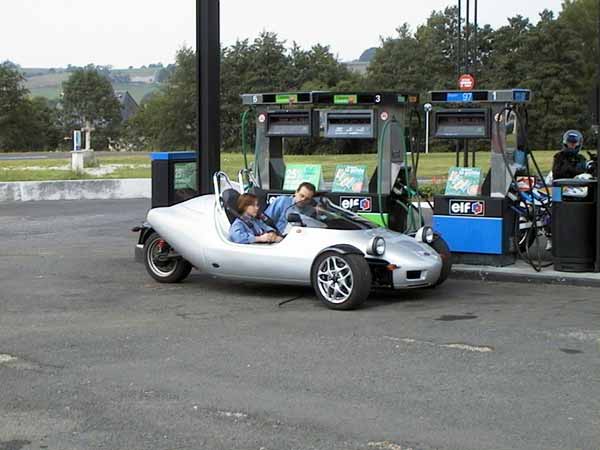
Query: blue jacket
[(278, 211), (245, 231)]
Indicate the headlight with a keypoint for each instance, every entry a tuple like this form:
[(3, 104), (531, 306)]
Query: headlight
[(376, 246), (425, 235)]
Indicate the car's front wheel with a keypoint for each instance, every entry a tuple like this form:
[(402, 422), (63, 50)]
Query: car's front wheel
[(341, 281), (441, 247), (160, 262)]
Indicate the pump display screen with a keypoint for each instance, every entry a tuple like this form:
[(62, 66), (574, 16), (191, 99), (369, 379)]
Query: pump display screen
[(345, 99), (460, 97), (462, 124), (286, 98), (349, 125), (522, 96), (289, 123)]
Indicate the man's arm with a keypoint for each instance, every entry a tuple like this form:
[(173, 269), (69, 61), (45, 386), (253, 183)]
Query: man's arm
[(277, 211), (270, 211)]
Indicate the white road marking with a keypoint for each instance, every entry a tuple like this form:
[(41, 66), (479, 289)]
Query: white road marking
[(469, 348), (6, 358), (235, 415), (387, 445), (455, 346), (582, 335)]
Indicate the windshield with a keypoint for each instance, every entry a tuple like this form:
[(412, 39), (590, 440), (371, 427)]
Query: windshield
[(322, 213)]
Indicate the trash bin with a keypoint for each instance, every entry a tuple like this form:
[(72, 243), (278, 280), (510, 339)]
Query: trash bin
[(173, 178), (574, 226)]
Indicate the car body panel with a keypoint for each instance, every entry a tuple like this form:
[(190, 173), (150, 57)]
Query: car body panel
[(198, 230)]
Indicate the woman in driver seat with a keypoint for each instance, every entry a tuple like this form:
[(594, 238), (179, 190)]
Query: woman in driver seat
[(248, 228)]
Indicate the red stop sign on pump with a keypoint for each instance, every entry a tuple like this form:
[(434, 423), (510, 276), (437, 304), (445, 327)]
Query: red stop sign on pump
[(466, 82)]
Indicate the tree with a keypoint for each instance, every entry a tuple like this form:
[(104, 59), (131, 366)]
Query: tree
[(437, 50), (90, 99), (421, 61), (581, 18), (236, 65), (508, 66), (167, 119), (11, 65), (33, 126), (25, 124), (395, 64), (368, 54), (559, 89), (12, 96), (162, 75), (44, 127), (270, 64), (315, 69)]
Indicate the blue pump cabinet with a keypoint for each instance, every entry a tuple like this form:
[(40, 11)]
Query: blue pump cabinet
[(478, 230), (173, 178)]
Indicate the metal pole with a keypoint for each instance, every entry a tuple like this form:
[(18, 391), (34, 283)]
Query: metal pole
[(459, 34), (467, 64), (208, 55), (597, 263), (476, 44), (428, 108), (475, 65), (467, 32), (457, 153)]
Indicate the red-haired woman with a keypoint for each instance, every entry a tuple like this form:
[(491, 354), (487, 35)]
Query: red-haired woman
[(248, 228)]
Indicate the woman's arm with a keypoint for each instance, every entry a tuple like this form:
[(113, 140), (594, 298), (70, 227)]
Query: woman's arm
[(241, 234)]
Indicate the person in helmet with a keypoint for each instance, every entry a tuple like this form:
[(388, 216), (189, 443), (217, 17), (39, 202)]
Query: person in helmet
[(568, 163)]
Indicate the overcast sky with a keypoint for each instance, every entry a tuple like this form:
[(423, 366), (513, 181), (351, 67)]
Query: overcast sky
[(54, 33)]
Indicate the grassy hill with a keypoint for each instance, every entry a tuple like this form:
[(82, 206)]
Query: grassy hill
[(46, 83), (46, 80)]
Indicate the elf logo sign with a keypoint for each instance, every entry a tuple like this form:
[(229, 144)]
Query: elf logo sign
[(467, 208), (360, 204)]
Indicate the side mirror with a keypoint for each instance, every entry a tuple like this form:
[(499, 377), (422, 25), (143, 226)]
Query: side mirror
[(295, 219)]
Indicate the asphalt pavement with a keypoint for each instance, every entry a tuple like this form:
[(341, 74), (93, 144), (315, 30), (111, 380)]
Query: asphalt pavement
[(94, 354)]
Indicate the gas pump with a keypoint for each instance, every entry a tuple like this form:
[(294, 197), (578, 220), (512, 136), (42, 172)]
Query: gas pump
[(481, 229), (382, 118)]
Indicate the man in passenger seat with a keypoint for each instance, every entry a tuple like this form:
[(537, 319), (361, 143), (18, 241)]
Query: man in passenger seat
[(279, 209), (248, 228)]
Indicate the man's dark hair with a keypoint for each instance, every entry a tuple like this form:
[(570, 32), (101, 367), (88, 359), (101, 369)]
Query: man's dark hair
[(311, 187)]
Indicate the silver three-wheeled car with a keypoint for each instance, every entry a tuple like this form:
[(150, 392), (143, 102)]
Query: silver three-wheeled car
[(337, 252)]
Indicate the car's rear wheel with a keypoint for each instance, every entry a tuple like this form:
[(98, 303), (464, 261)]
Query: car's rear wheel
[(441, 247), (341, 281), (161, 264)]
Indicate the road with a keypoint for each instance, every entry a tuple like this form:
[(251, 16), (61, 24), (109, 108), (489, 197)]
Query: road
[(94, 354), (59, 155)]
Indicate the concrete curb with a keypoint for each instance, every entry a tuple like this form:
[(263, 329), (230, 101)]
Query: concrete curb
[(27, 191), (524, 275)]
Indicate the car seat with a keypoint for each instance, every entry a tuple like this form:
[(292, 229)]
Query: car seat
[(261, 196), (229, 200)]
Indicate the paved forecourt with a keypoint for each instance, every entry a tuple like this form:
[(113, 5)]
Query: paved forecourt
[(94, 354)]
